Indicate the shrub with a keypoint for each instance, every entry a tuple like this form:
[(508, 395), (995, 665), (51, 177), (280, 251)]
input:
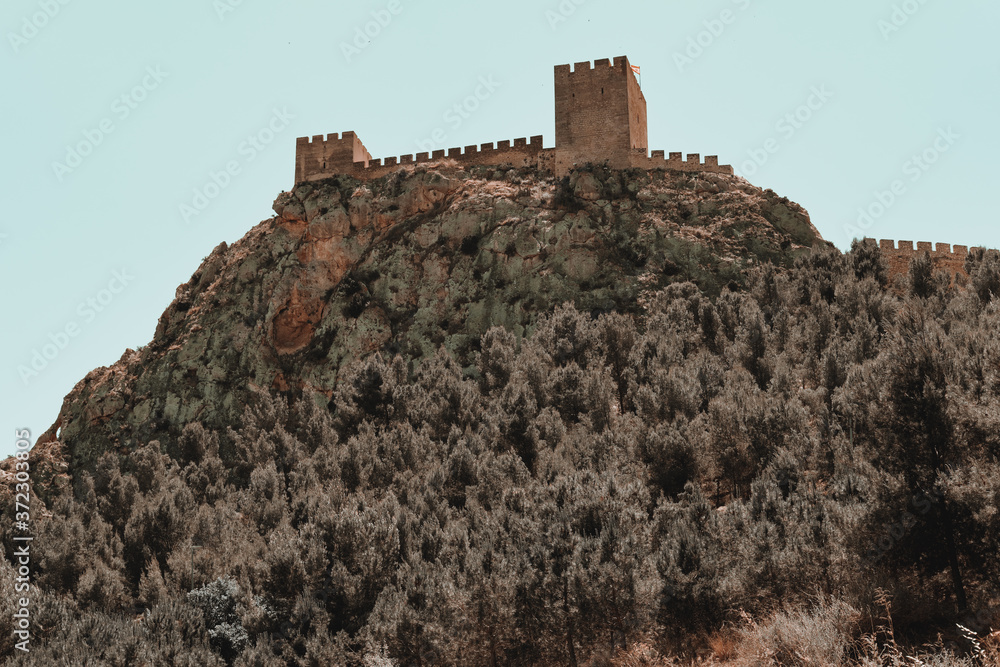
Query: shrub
[(818, 636), (218, 602)]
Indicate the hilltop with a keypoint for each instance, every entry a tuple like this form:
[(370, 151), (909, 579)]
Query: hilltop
[(412, 261)]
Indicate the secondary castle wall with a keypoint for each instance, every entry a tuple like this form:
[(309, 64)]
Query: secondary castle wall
[(945, 257)]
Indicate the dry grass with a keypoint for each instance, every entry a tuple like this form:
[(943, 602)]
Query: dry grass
[(819, 636), (724, 646), (827, 634), (640, 655)]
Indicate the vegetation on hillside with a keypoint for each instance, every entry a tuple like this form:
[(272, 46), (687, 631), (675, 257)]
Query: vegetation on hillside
[(804, 471)]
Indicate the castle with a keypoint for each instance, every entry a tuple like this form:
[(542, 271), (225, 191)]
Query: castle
[(600, 117)]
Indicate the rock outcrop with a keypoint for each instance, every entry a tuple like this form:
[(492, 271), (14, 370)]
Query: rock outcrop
[(408, 263)]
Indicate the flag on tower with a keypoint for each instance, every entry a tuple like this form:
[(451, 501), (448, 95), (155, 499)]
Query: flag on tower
[(635, 68)]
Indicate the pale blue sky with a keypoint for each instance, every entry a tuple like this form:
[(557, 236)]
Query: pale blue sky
[(200, 77)]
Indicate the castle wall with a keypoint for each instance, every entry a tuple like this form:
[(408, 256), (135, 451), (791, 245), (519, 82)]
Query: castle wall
[(676, 162), (945, 257), (519, 153)]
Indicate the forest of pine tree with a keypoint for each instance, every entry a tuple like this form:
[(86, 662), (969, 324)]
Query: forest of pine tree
[(803, 470)]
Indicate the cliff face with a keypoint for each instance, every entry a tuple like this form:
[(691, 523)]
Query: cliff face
[(406, 264)]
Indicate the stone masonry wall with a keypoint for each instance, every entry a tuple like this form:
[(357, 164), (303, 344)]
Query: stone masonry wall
[(334, 154), (676, 162), (521, 153), (594, 113), (637, 123), (944, 256)]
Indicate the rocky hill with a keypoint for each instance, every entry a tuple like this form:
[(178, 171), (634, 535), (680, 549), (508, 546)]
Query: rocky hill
[(407, 263), (487, 417)]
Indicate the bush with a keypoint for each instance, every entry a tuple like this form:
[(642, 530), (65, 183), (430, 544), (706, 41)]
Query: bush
[(822, 635), (219, 603)]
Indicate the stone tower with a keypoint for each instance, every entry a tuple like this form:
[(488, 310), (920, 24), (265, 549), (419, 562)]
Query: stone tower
[(600, 113), (335, 154)]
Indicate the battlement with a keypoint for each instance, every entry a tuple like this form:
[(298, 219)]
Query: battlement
[(600, 118), (319, 138), (588, 66), (944, 256), (906, 248), (474, 154), (677, 162)]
